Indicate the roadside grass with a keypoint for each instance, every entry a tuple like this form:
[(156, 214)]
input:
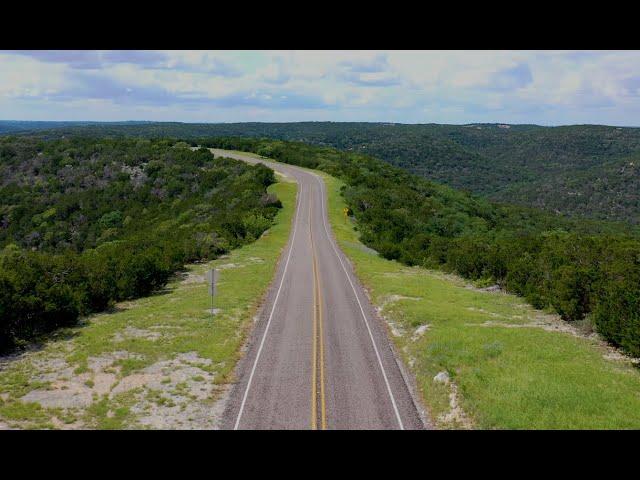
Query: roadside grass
[(109, 348), (511, 366)]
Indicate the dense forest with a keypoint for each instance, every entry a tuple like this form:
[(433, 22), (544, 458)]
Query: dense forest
[(584, 170), (86, 222), (30, 126), (578, 268)]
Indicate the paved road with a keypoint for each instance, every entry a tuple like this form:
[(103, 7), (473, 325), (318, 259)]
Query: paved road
[(318, 358)]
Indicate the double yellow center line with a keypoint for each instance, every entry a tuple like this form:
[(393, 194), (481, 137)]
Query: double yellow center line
[(318, 404)]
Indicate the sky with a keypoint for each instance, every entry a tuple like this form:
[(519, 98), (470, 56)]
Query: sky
[(459, 87)]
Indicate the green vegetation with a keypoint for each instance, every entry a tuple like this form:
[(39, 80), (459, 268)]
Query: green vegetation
[(581, 269), (514, 367), (149, 359), (87, 222), (13, 126), (586, 170)]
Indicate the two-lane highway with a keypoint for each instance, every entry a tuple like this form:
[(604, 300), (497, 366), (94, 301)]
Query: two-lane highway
[(319, 358)]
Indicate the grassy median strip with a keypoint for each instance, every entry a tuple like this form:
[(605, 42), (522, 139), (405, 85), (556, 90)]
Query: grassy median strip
[(505, 364), (157, 362)]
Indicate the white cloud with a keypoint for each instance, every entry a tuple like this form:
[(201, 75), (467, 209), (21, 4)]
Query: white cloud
[(410, 86), (24, 76)]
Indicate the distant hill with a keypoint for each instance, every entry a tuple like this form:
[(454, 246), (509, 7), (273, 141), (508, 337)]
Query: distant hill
[(585, 170), (19, 126)]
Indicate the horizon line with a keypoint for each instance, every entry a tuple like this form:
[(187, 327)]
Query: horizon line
[(322, 121)]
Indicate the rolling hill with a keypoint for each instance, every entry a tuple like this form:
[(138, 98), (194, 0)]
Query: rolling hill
[(582, 170)]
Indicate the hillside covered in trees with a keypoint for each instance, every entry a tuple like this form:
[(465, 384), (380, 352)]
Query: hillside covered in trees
[(87, 222), (578, 268), (581, 268), (584, 170)]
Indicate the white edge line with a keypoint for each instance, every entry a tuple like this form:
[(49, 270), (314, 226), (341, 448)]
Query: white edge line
[(364, 317), (275, 302)]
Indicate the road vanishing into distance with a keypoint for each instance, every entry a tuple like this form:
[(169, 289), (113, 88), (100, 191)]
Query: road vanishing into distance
[(319, 357)]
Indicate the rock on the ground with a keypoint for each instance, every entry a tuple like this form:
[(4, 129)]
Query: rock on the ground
[(441, 377), (419, 331), (491, 288)]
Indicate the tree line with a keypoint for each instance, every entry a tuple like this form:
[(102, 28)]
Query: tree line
[(589, 171), (88, 222)]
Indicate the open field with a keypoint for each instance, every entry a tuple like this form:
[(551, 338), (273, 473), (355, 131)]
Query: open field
[(157, 362), (510, 366)]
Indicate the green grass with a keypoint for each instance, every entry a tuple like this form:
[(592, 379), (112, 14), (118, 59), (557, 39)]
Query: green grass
[(510, 373), (184, 309), (23, 411), (177, 320)]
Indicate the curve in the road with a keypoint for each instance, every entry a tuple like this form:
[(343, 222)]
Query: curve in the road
[(317, 335)]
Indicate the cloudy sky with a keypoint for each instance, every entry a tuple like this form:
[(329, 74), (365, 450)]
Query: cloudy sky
[(548, 87)]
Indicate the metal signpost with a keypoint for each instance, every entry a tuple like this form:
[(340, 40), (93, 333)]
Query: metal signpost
[(212, 279)]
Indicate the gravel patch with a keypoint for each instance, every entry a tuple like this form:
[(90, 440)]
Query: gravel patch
[(68, 390), (179, 393), (102, 362), (192, 277), (395, 298), (456, 416), (419, 332), (395, 331), (62, 395), (175, 394), (131, 332)]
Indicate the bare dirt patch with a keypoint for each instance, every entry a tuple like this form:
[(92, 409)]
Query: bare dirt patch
[(193, 277), (106, 361), (393, 299), (175, 394), (179, 393), (456, 416), (249, 261), (63, 394), (395, 330), (419, 332), (69, 390), (131, 332), (394, 327)]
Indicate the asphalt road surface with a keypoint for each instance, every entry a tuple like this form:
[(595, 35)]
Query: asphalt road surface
[(319, 357)]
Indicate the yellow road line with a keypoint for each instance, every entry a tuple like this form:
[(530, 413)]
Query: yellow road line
[(318, 339), (323, 409)]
